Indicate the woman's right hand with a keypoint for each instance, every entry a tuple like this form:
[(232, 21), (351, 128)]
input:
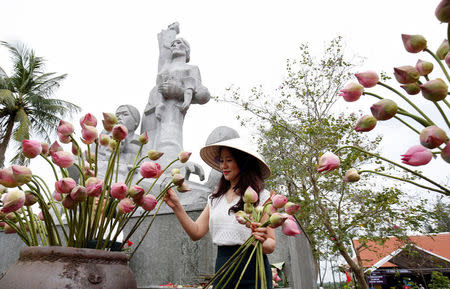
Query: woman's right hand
[(172, 199)]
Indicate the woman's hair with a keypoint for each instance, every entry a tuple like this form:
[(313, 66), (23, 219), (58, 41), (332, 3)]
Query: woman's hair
[(249, 175)]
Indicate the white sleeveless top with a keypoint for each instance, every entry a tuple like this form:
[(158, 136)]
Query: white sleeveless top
[(223, 227)]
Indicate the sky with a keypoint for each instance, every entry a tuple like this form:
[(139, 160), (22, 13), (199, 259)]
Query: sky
[(109, 49)]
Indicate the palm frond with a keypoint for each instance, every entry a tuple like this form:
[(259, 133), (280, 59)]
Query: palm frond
[(7, 98), (22, 130)]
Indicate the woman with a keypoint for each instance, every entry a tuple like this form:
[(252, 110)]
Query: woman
[(241, 167)]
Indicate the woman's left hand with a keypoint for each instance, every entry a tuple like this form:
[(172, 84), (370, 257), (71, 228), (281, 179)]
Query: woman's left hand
[(260, 233), (265, 235)]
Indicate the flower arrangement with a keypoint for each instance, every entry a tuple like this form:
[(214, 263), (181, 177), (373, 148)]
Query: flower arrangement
[(91, 211), (269, 214)]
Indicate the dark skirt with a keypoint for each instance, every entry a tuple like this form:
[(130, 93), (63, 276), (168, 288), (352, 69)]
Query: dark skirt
[(248, 279)]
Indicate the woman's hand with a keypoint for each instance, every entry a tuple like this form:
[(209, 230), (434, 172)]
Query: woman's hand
[(260, 233), (171, 199), (265, 235)]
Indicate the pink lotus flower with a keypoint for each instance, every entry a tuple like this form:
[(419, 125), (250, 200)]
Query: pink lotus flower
[(406, 74), (13, 201), (443, 11), (65, 185), (177, 179), (250, 196), (109, 120), (270, 209), (424, 67), (352, 91), (119, 190), (21, 174), (366, 123), (414, 43), (384, 109), (351, 176), (30, 199), (434, 90), (328, 162), (367, 79), (64, 138), (119, 132), (183, 188), (89, 120), (143, 138), (89, 134), (62, 159), (154, 155), (240, 217), (94, 186), (443, 49), (104, 139), (41, 216), (447, 59), (74, 149), (432, 137), (184, 156), (65, 128), (79, 194), (31, 148), (291, 208), (57, 196), (411, 88), (125, 206), (445, 153), (278, 201), (277, 219), (55, 147), (112, 144), (68, 203), (45, 148), (417, 156), (7, 178), (290, 227), (148, 202), (137, 193), (150, 170)]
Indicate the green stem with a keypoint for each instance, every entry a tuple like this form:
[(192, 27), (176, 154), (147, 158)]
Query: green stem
[(32, 225), (246, 265), (442, 113), (447, 103), (53, 167), (439, 62)]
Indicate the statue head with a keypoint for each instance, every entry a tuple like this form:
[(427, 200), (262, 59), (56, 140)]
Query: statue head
[(180, 47), (129, 116)]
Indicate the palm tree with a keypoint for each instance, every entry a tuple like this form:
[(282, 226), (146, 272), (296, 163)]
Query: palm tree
[(26, 106)]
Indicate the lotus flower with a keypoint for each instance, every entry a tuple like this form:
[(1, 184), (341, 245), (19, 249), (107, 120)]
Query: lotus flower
[(154, 155), (443, 11), (57, 196), (250, 196), (406, 74), (351, 176), (184, 156), (277, 219), (424, 67), (55, 147), (445, 153), (384, 109), (94, 186), (290, 227), (183, 188), (62, 159), (366, 123), (104, 139), (41, 216), (443, 49), (241, 217), (434, 90), (270, 209), (30, 199), (119, 132), (109, 120), (89, 120), (21, 174), (89, 134), (65, 185), (417, 156), (411, 88), (45, 148), (352, 92), (119, 190), (414, 43), (248, 208), (31, 148), (148, 202), (79, 194), (328, 162), (13, 201), (432, 137), (367, 79), (7, 178), (143, 138), (278, 201), (177, 179), (68, 203), (447, 59), (65, 128), (291, 208), (136, 193), (150, 170), (64, 138), (125, 206), (175, 171), (3, 190)]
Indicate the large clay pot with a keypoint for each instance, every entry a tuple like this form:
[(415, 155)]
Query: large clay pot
[(64, 267)]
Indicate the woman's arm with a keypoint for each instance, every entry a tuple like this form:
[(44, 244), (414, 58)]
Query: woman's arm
[(267, 236), (196, 230)]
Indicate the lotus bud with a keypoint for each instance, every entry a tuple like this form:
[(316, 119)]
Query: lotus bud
[(64, 138), (94, 186), (270, 209), (136, 192), (366, 123), (443, 11), (79, 194), (290, 227), (352, 92), (119, 132), (68, 203), (351, 176), (62, 159), (291, 208), (112, 144), (277, 219), (21, 174), (434, 90), (2, 224), (88, 120), (414, 43), (65, 128), (183, 188), (89, 134), (12, 217), (74, 149), (30, 199), (150, 170), (10, 230), (411, 88), (384, 109), (148, 202), (241, 217), (154, 155), (65, 185), (109, 120), (447, 59), (13, 201), (57, 196), (55, 147), (442, 50), (119, 190), (3, 190), (259, 209), (250, 196), (143, 138), (31, 148), (177, 179), (424, 67), (7, 178), (367, 79), (417, 156), (248, 208), (432, 137), (104, 139), (45, 148), (445, 153), (125, 206), (406, 74), (184, 156), (328, 162), (174, 171), (278, 201)]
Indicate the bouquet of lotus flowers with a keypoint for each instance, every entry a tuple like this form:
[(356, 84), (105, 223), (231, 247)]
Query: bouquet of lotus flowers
[(269, 214), (89, 210)]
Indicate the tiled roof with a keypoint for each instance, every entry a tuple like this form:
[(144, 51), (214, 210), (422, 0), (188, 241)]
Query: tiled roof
[(438, 244)]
